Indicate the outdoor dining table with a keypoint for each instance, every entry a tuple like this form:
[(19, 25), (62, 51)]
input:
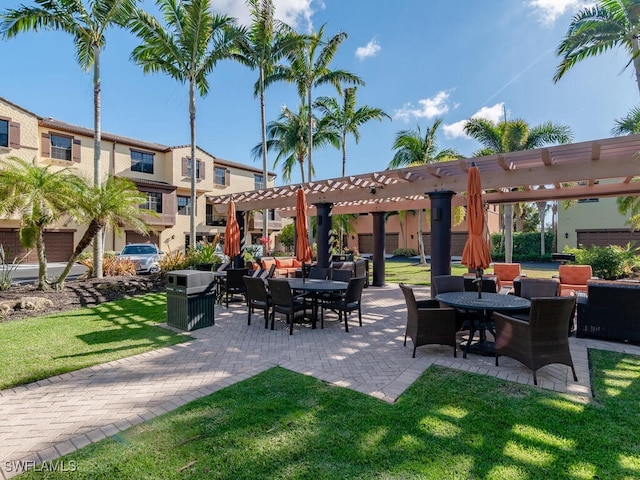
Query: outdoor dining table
[(316, 286), (489, 302)]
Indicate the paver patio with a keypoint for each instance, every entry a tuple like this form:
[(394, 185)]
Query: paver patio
[(44, 420)]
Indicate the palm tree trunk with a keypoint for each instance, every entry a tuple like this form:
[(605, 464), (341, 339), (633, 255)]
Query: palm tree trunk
[(344, 153), (423, 259), (635, 45), (541, 210), (192, 120), (98, 246), (310, 137), (92, 232), (508, 232), (265, 171), (42, 260)]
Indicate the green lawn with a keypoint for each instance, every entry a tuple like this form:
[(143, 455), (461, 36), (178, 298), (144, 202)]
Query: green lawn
[(41, 347), (448, 425), (411, 272)]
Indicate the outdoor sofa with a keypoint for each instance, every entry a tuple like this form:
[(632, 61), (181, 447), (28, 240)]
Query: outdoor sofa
[(285, 266), (611, 310)]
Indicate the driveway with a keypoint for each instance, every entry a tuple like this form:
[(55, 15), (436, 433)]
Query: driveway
[(28, 273)]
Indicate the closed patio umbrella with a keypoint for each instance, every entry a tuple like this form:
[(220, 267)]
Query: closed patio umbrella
[(303, 249), (477, 249), (232, 232)]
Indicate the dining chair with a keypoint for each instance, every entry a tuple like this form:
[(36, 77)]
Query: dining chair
[(451, 283), (234, 284), (537, 287), (283, 301), (540, 341), (490, 283), (428, 322), (318, 273), (341, 275), (347, 303), (257, 297)]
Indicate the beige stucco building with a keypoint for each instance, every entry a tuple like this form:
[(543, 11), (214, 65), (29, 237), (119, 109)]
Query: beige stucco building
[(160, 171)]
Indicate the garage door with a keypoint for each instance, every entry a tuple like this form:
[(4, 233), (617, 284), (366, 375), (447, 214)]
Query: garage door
[(58, 246), (365, 242), (135, 237), (458, 239), (606, 237)]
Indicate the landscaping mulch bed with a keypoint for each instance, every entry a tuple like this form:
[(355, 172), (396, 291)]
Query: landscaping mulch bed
[(76, 294)]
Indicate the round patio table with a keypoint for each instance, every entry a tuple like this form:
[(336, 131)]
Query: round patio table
[(489, 302)]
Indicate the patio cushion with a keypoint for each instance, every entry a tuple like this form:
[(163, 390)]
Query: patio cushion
[(284, 262), (267, 262), (506, 272)]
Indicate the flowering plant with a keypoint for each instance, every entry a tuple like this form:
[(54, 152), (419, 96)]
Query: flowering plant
[(264, 241)]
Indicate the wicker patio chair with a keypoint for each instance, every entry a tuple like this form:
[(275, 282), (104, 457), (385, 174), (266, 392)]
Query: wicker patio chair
[(540, 341), (257, 297), (428, 323), (347, 303), (234, 284), (283, 301)]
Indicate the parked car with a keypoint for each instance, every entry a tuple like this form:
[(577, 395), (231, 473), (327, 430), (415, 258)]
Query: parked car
[(146, 256)]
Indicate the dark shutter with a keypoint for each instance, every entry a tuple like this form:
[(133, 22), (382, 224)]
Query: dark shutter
[(227, 177), (75, 150), (14, 135), (185, 166), (201, 171), (45, 145)]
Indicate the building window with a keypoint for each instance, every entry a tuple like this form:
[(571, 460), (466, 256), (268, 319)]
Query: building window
[(258, 181), (272, 215), (154, 202), (198, 162), (60, 147), (219, 176), (184, 204), (141, 161), (4, 133)]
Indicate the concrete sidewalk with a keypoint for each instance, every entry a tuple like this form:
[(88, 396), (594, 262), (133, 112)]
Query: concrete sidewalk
[(44, 420)]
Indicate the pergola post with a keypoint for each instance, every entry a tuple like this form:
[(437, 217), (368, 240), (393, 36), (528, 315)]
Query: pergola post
[(323, 224), (378, 249), (440, 233)]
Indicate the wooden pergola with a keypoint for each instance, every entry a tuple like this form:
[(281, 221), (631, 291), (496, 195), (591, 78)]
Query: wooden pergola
[(570, 171)]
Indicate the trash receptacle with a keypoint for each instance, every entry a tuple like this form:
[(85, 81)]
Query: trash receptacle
[(191, 296)]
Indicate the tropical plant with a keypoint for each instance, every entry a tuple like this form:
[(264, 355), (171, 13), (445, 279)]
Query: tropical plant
[(594, 30), (346, 119), (187, 49), (7, 269), (87, 24), (510, 136), (309, 68), (262, 46), (415, 148), (628, 125), (113, 266), (113, 204), (288, 137), (173, 260), (287, 236), (40, 198), (629, 205)]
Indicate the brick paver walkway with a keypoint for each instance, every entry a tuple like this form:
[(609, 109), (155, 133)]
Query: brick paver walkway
[(44, 420)]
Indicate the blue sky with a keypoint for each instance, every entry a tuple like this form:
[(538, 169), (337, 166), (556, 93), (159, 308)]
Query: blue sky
[(420, 60)]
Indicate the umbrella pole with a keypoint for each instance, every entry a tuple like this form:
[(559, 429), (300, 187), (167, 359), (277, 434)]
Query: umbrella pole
[(479, 281)]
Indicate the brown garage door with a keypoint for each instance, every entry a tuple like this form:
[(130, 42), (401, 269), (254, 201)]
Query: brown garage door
[(365, 242), (135, 237), (609, 236), (458, 239), (58, 246)]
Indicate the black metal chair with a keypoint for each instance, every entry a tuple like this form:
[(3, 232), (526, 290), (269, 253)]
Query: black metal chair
[(540, 341), (234, 283), (283, 301), (347, 303), (428, 322), (341, 275), (257, 297), (318, 273)]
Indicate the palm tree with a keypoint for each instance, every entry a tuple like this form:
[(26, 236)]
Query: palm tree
[(40, 198), (346, 119), (263, 45), (87, 25), (113, 204), (288, 136), (629, 125), (309, 68), (510, 136), (187, 49), (414, 148), (594, 30)]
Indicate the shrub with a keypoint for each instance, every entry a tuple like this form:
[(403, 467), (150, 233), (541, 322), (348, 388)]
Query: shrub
[(173, 261), (204, 254), (609, 262), (526, 246), (7, 269), (405, 252), (287, 236), (111, 266)]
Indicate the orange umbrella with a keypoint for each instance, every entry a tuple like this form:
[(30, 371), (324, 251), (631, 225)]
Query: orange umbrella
[(477, 250), (303, 249), (232, 232)]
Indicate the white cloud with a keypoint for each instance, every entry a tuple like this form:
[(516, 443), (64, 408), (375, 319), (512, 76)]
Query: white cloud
[(426, 108), (548, 11), (494, 114), (369, 50), (296, 13)]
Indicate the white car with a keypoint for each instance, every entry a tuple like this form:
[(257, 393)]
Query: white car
[(146, 256)]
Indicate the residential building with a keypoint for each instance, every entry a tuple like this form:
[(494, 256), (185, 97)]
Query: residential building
[(162, 172)]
